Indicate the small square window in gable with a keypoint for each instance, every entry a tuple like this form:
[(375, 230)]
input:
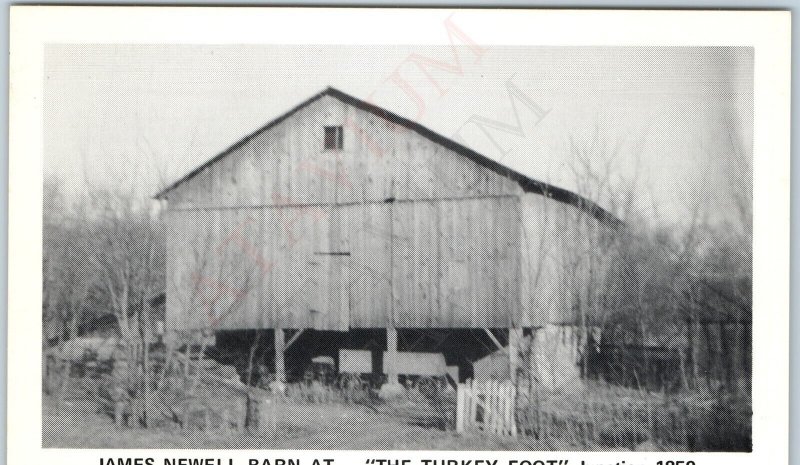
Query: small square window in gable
[(334, 138)]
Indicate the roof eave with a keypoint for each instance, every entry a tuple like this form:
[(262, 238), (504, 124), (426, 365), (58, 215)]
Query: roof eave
[(527, 184)]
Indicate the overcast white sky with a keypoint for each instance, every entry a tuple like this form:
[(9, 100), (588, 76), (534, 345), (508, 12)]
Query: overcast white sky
[(150, 113)]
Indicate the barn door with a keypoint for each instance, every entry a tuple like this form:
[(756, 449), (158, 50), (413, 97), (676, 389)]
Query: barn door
[(326, 291), (339, 291), (329, 290)]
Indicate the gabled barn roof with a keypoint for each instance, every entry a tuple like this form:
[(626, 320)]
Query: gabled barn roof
[(527, 184)]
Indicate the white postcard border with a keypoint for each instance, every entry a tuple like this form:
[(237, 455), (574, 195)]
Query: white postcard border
[(768, 32)]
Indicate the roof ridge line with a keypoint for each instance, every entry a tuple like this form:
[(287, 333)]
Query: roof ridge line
[(528, 184)]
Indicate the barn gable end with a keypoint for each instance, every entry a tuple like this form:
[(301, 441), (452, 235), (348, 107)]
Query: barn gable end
[(398, 227), (287, 164)]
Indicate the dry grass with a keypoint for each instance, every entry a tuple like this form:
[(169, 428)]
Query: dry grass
[(602, 417), (310, 426), (594, 417)]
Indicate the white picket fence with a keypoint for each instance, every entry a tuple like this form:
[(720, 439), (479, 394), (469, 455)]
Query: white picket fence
[(488, 406)]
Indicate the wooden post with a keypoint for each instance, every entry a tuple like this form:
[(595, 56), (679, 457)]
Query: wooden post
[(718, 364), (266, 415), (488, 410), (510, 417), (474, 392), (498, 418), (460, 408), (504, 409), (119, 413), (691, 336), (241, 414), (498, 407), (280, 367), (225, 422), (514, 340), (514, 336), (186, 415), (727, 356), (45, 377), (146, 394), (391, 356), (513, 394), (64, 372), (532, 367)]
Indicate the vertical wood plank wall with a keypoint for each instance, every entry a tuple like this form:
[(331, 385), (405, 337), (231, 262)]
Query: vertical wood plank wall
[(288, 165), (394, 230), (446, 263)]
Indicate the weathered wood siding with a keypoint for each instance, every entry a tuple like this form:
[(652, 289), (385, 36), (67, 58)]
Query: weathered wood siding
[(394, 230), (420, 264), (543, 291), (455, 263), (288, 165), (261, 238), (564, 263)]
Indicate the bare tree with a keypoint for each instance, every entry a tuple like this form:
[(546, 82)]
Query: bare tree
[(126, 245), (66, 267)]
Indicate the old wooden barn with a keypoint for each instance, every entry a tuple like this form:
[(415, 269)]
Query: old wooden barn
[(340, 216)]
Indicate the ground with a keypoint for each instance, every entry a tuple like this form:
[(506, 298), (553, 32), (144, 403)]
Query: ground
[(590, 418), (309, 426)]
